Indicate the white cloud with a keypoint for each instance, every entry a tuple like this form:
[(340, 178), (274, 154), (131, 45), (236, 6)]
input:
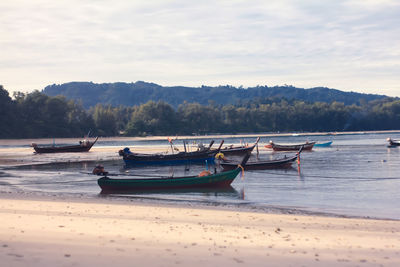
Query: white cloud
[(348, 45)]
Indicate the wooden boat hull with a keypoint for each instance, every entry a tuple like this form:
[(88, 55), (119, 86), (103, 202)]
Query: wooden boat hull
[(294, 147), (393, 143), (167, 159), (237, 151), (222, 179), (326, 144), (283, 163), (132, 159), (240, 150), (64, 149)]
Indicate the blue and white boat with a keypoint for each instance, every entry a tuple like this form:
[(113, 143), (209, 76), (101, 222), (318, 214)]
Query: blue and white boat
[(325, 144)]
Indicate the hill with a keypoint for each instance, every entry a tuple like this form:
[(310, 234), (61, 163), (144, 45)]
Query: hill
[(130, 94)]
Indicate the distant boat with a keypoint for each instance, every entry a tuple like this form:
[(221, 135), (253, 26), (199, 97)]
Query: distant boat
[(205, 154), (239, 150), (290, 147), (325, 144), (393, 142), (281, 163), (84, 146)]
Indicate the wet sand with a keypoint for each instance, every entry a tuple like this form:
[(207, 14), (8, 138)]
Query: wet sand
[(25, 156), (17, 156), (71, 232)]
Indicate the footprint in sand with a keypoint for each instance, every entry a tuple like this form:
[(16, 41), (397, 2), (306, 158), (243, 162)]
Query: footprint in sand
[(238, 260), (15, 255)]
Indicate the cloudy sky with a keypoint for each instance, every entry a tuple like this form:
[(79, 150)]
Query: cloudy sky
[(348, 45)]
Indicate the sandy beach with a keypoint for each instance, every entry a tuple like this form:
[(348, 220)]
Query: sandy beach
[(104, 232)]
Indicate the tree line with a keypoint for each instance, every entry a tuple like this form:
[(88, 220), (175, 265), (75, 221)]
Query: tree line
[(36, 115), (130, 94)]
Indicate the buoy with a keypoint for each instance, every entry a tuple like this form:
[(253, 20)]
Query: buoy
[(219, 155), (204, 173)]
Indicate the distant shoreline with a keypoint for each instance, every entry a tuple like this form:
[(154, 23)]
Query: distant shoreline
[(190, 137)]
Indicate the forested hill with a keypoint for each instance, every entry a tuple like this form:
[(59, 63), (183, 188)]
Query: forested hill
[(130, 94)]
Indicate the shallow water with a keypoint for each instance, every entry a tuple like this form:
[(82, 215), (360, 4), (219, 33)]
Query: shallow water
[(357, 176)]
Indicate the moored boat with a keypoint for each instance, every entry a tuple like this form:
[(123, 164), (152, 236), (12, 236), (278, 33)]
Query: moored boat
[(221, 179), (84, 146), (204, 180), (281, 163), (239, 150), (184, 157), (393, 142), (324, 144), (290, 147)]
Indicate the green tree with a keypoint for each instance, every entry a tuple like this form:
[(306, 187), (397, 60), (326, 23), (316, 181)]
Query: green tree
[(8, 115), (199, 119), (104, 120), (154, 119)]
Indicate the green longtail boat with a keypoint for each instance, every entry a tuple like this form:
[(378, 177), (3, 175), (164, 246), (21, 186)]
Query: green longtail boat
[(222, 179), (204, 180)]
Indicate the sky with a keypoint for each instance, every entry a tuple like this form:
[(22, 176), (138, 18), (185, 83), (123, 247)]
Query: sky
[(349, 45)]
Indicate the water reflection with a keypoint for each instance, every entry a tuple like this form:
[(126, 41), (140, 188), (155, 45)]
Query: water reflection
[(300, 175), (223, 191)]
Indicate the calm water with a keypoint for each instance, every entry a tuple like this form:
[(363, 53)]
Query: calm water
[(357, 176)]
